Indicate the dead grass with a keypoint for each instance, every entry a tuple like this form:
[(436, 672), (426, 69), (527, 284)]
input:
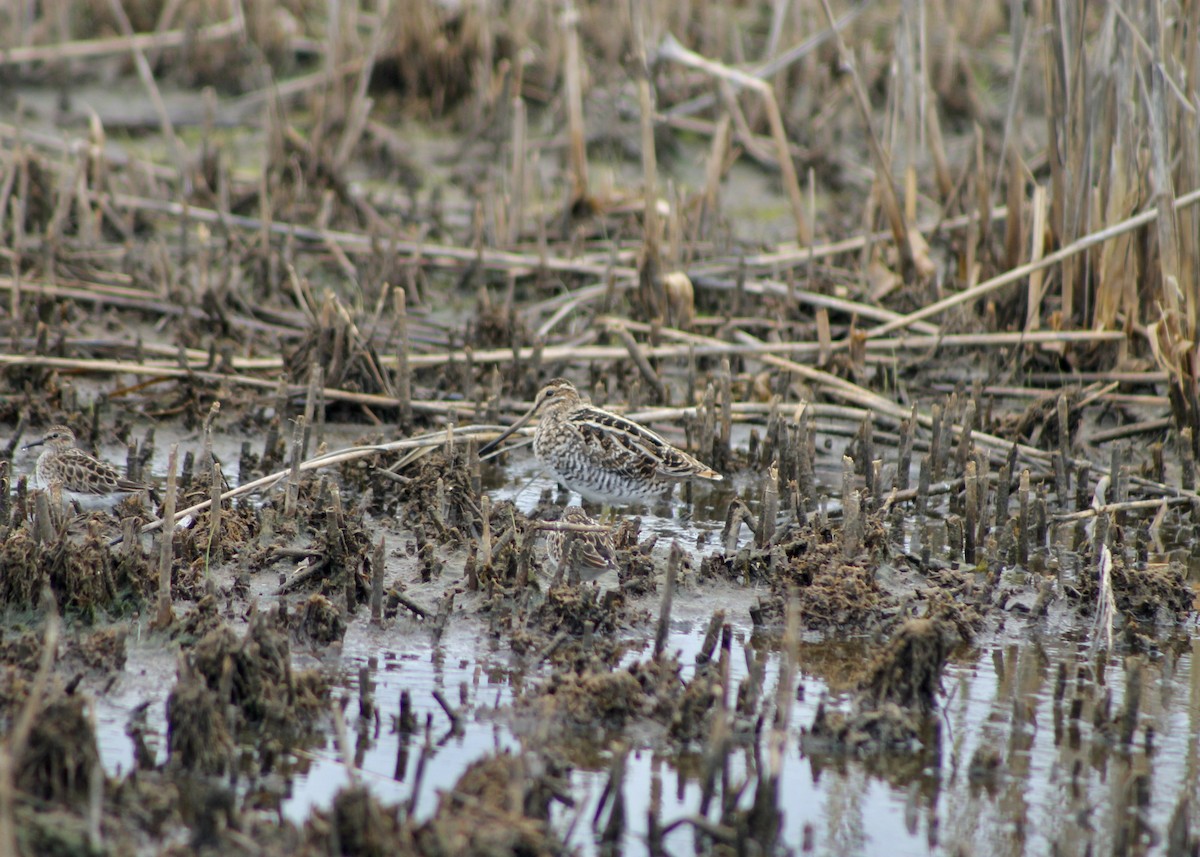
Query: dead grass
[(411, 221)]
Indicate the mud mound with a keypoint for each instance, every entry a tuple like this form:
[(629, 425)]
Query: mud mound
[(356, 823), (438, 499), (61, 756), (576, 610), (1150, 593), (87, 576), (243, 687), (891, 713), (499, 806), (908, 672)]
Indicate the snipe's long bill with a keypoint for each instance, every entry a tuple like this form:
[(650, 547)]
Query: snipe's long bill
[(603, 456)]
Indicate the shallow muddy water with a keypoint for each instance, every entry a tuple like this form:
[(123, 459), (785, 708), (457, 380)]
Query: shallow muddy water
[(1027, 757)]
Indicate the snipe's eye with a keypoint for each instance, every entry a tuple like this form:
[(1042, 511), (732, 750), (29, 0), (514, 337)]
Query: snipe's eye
[(551, 392)]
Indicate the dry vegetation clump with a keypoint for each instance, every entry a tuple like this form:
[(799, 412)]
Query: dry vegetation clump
[(635, 560), (500, 805), (690, 723), (334, 344), (198, 552), (512, 538), (101, 652), (87, 576), (496, 325), (1038, 425), (318, 621), (1148, 594), (595, 698), (203, 618), (355, 823), (440, 498), (892, 711), (431, 54), (61, 755), (598, 697), (574, 627), (834, 592), (908, 671), (273, 709), (890, 735), (20, 651), (337, 559)]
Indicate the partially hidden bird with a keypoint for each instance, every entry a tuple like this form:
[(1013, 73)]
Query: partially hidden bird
[(576, 540)]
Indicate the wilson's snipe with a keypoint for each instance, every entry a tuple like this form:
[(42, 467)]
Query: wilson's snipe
[(89, 481), (576, 539), (604, 457)]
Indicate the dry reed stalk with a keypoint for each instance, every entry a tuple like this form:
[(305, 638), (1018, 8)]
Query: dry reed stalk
[(1071, 250), (802, 255), (651, 229), (1173, 335), (670, 48), (18, 241), (714, 169), (1013, 243), (520, 153), (146, 74), (450, 256), (292, 495), (573, 76), (63, 52), (1037, 249), (774, 65), (329, 459), (403, 370), (884, 181), (138, 299), (937, 149), (638, 355), (166, 544), (359, 110), (436, 255), (213, 554)]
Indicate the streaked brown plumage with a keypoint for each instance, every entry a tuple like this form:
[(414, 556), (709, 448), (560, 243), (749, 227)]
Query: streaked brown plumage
[(591, 551), (79, 475), (603, 456)]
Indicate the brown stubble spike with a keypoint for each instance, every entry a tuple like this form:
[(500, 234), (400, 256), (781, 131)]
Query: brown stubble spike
[(936, 443), (707, 441), (711, 636), (166, 544), (1024, 521), (983, 475), (971, 510), (403, 372), (674, 560), (866, 451), (377, 571), (726, 451), (770, 507), (215, 553), (293, 484)]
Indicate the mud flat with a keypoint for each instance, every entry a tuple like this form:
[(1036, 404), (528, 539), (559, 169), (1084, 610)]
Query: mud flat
[(916, 281)]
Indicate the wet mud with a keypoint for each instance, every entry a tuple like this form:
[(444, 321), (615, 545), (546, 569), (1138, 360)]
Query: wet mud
[(943, 601)]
